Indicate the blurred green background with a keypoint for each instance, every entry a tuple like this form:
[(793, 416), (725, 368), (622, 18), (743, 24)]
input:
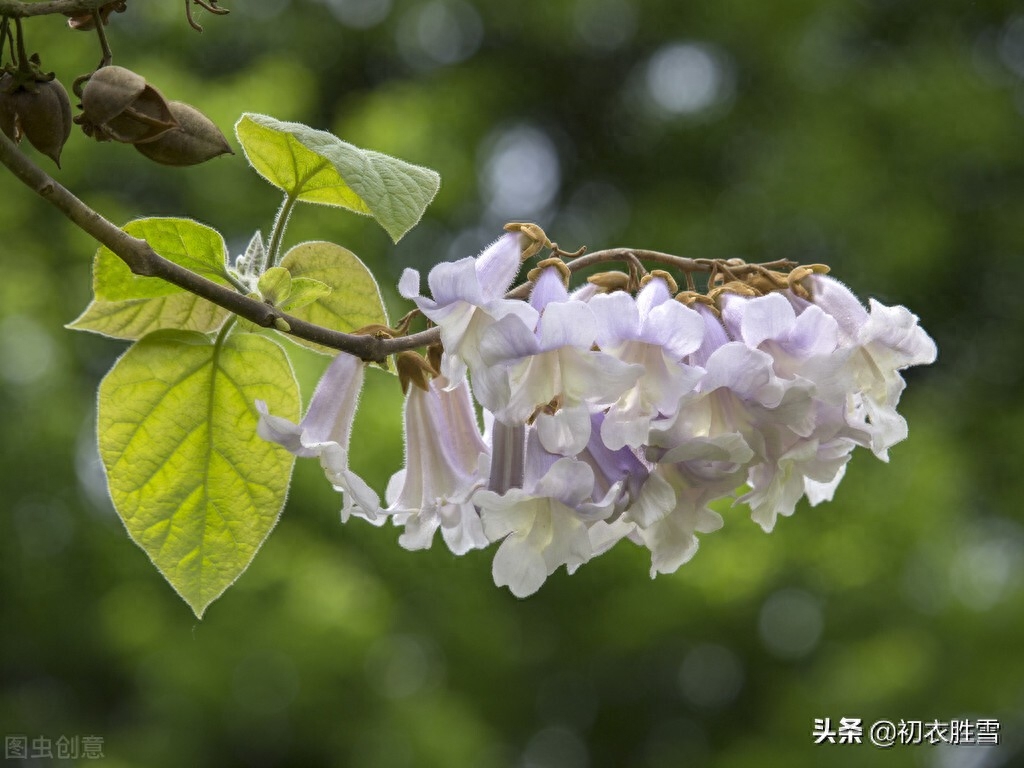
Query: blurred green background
[(883, 137)]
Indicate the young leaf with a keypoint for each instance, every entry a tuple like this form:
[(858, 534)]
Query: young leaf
[(318, 167), (127, 306), (354, 300), (196, 487), (276, 285), (305, 290)]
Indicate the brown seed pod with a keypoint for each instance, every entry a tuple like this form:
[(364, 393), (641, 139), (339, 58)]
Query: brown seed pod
[(194, 141), (119, 104), (8, 120), (46, 118), (86, 21), (109, 92), (42, 115), (146, 119)]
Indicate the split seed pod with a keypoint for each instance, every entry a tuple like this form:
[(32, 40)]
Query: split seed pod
[(194, 141), (119, 104)]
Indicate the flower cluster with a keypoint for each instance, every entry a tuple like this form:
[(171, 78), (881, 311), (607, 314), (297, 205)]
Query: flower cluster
[(618, 414)]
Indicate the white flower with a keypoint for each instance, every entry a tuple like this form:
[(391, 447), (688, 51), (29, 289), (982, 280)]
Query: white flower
[(324, 433), (524, 368), (544, 524), (445, 462), (655, 332), (670, 512), (467, 297), (882, 342)]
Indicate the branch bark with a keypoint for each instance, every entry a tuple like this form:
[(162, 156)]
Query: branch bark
[(144, 261), (23, 9)]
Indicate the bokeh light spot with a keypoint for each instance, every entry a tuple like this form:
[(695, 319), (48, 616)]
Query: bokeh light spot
[(26, 349), (790, 623), (520, 173), (360, 14), (686, 78), (604, 25), (711, 676), (439, 33)]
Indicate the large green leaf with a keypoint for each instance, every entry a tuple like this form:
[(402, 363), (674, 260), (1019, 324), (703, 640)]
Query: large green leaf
[(127, 306), (196, 487), (318, 167), (354, 300)]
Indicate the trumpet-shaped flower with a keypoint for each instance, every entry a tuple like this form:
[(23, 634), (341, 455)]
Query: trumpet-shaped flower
[(882, 342), (467, 296), (544, 524), (445, 463), (324, 433), (526, 368), (655, 332)]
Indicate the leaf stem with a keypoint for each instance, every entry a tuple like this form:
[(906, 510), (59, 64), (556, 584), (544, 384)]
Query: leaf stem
[(277, 232)]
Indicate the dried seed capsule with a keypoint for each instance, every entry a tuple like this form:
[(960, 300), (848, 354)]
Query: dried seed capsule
[(109, 92), (119, 104), (39, 111), (194, 141), (146, 119), (46, 118), (8, 121)]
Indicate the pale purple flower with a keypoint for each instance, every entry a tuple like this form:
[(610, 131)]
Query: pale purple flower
[(544, 524), (807, 436), (446, 461), (324, 433), (466, 297), (672, 509), (655, 332), (882, 342), (524, 368)]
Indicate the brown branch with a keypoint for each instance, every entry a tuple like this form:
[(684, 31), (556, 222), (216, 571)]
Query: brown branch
[(21, 9), (145, 262), (682, 263)]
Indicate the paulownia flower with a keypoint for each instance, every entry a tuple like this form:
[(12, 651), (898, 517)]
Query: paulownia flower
[(446, 461), (544, 524), (525, 368), (467, 297), (883, 341), (324, 433), (655, 332)]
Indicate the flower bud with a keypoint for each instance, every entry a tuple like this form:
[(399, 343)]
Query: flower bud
[(194, 141)]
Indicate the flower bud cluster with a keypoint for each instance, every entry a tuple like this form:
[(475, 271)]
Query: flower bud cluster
[(612, 414)]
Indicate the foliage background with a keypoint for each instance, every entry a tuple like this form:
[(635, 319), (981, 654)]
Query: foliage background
[(883, 137)]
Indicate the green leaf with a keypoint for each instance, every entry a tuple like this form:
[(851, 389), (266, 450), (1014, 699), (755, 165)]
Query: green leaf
[(275, 285), (134, 318), (354, 300), (127, 306), (318, 167), (305, 290), (196, 487)]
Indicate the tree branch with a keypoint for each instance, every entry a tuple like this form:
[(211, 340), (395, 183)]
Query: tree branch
[(144, 261), (22, 9)]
